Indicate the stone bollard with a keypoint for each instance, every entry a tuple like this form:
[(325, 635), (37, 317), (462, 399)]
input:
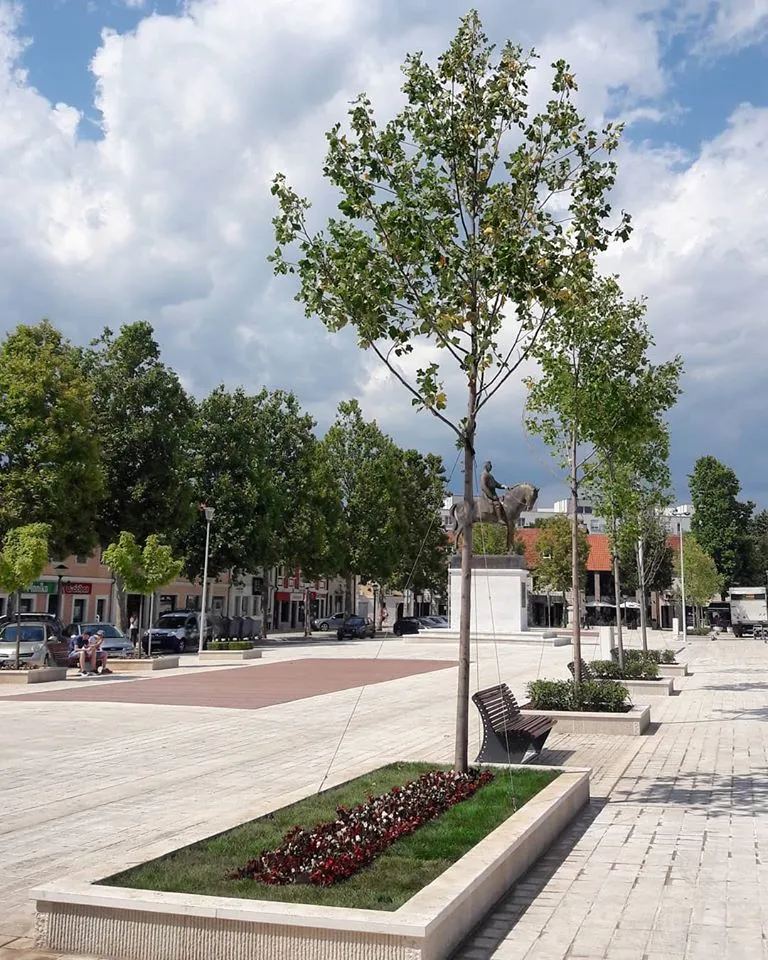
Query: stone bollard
[(606, 642)]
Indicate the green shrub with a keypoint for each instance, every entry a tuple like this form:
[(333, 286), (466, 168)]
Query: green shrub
[(230, 645), (635, 668), (588, 697), (668, 656), (605, 669), (699, 631)]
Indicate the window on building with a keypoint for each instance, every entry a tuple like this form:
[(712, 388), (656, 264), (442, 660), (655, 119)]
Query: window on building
[(101, 608), (81, 558), (78, 610)]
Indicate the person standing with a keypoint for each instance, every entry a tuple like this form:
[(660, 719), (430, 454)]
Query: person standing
[(133, 630)]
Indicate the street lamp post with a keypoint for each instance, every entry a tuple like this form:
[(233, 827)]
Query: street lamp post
[(682, 582), (61, 569), (203, 617)]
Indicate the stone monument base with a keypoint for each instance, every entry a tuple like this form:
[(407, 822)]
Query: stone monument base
[(500, 590)]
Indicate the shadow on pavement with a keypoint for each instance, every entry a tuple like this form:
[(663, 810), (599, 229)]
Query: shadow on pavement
[(717, 795), (483, 942)]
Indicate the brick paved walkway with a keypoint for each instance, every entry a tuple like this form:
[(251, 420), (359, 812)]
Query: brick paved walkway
[(668, 862), (243, 687)]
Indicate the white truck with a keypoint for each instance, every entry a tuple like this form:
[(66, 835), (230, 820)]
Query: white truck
[(748, 609)]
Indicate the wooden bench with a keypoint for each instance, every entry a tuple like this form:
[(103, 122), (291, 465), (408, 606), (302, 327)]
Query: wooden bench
[(586, 670), (507, 734)]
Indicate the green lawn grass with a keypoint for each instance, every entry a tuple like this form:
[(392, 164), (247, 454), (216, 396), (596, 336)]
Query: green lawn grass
[(385, 884)]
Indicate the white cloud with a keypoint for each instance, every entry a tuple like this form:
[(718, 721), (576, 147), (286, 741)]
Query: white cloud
[(168, 215), (738, 23)]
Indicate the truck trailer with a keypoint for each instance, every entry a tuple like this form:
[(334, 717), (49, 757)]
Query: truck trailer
[(748, 609)]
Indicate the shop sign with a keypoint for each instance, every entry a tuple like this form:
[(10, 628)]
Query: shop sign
[(78, 589), (42, 586)]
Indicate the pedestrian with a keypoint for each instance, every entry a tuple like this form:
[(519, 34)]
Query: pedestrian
[(133, 629)]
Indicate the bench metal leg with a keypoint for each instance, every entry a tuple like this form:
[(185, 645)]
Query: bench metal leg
[(497, 750)]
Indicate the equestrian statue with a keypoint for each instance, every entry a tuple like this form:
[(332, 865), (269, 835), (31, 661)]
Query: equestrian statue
[(490, 508)]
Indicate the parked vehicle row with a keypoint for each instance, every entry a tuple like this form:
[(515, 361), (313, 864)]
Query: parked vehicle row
[(409, 625)]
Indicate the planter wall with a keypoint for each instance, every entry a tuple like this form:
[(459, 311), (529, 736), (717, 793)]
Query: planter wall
[(43, 675), (630, 724), (640, 689), (226, 655), (673, 669), (143, 666), (86, 918)]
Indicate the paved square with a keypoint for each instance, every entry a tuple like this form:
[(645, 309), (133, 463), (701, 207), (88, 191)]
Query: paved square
[(668, 862)]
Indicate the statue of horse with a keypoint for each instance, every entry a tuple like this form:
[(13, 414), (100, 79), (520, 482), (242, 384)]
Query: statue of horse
[(522, 496)]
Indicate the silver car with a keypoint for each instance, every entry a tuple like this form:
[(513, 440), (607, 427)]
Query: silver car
[(115, 644), (36, 643)]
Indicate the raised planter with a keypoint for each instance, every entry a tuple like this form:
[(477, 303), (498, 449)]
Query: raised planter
[(630, 724), (639, 689), (87, 918), (144, 665), (673, 670), (225, 655), (43, 675)]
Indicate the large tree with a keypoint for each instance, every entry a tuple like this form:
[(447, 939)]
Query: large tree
[(721, 522), (422, 563), (50, 461), (23, 557), (759, 537), (460, 221), (365, 464), (143, 417), (229, 470)]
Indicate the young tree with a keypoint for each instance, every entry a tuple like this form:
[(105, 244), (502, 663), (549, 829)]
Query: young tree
[(759, 537), (702, 579), (491, 539), (721, 523), (597, 395), (460, 221), (366, 469), (143, 419), (22, 559), (50, 462), (554, 565), (143, 570)]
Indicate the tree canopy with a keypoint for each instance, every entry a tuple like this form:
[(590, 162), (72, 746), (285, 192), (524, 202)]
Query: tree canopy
[(721, 522), (50, 459)]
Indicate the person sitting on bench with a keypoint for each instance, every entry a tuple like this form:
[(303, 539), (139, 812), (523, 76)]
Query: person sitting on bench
[(90, 648)]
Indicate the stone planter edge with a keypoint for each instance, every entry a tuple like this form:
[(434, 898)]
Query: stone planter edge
[(87, 918), (633, 723)]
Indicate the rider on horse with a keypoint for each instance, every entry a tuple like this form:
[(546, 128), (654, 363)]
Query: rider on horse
[(488, 487)]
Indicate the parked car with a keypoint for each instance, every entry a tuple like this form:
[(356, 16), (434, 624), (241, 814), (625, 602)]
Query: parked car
[(356, 627), (38, 642), (329, 623), (50, 619), (434, 623), (176, 632), (405, 625), (115, 644)]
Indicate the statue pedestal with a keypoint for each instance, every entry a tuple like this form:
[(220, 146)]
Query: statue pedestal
[(500, 587)]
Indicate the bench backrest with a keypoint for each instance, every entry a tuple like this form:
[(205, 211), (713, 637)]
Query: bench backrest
[(586, 670), (497, 704)]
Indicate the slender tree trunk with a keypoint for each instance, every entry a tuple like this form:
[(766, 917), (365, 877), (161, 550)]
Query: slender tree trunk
[(18, 629), (617, 595), (575, 578), (121, 601), (140, 646), (462, 696), (306, 611), (151, 610), (641, 577)]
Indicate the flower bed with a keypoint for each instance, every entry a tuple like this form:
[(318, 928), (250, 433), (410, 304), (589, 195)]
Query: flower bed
[(10, 664), (334, 850), (590, 696), (411, 863)]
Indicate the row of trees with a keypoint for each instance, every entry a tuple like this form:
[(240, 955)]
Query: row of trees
[(103, 441)]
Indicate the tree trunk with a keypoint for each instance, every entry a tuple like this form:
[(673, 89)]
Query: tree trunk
[(18, 629), (641, 577), (140, 646), (121, 600), (462, 696), (306, 611), (617, 594), (575, 578), (151, 610)]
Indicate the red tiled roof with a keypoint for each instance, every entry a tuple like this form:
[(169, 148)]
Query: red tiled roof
[(599, 549)]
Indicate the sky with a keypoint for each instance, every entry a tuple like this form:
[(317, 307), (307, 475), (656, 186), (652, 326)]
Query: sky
[(138, 141)]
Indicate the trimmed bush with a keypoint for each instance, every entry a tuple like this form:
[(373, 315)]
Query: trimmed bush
[(635, 668), (648, 656), (230, 645), (590, 696)]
